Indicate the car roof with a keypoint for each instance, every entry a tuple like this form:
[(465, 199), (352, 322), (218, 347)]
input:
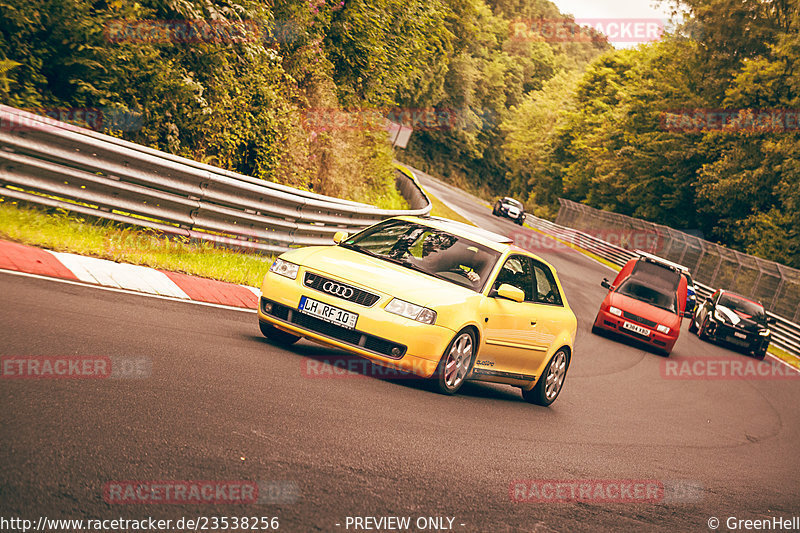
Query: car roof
[(490, 239), (661, 260), (655, 279)]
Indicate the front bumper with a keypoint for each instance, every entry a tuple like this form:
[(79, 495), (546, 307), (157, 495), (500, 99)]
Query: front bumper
[(384, 338), (728, 334), (506, 214), (613, 323)]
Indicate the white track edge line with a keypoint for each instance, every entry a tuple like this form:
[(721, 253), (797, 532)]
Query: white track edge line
[(126, 291)]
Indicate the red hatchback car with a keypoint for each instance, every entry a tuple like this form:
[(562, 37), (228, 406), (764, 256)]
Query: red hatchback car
[(646, 303)]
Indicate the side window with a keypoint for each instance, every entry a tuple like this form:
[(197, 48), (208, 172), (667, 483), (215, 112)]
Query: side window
[(546, 287), (517, 273)]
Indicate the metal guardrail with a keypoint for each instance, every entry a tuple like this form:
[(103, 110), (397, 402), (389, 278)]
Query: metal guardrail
[(56, 164), (785, 333), (777, 286)]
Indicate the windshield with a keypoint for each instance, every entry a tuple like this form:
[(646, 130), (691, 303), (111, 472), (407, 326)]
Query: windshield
[(513, 202), (646, 293), (744, 308), (428, 250)]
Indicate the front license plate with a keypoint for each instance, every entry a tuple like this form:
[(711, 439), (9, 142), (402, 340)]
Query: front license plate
[(329, 313), (636, 329), (740, 335)]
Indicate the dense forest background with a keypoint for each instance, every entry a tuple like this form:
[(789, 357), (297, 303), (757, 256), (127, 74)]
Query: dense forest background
[(526, 115)]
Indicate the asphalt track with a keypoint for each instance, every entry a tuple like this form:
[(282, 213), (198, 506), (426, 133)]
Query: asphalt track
[(222, 403)]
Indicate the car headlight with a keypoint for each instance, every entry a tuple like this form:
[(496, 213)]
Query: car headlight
[(614, 311), (285, 268), (663, 329), (719, 316), (763, 332), (412, 311)]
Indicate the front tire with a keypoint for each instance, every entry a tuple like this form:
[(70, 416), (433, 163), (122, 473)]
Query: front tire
[(549, 385), (276, 335), (761, 353), (692, 326), (456, 362), (702, 333)]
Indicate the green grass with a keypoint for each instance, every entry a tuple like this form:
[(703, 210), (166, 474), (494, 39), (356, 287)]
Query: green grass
[(439, 209), (63, 231)]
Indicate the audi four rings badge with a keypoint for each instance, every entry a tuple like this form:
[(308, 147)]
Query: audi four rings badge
[(337, 290)]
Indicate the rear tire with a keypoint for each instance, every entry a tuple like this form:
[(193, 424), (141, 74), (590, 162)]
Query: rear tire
[(276, 335), (549, 385), (456, 362)]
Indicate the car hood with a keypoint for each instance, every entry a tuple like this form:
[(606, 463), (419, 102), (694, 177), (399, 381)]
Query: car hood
[(644, 310), (383, 276), (734, 318)]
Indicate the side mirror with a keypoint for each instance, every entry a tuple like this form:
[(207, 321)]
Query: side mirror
[(511, 293), (771, 320), (605, 284), (339, 236)]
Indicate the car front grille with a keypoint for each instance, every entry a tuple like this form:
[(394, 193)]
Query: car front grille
[(340, 290), (639, 319), (352, 337), (728, 334)]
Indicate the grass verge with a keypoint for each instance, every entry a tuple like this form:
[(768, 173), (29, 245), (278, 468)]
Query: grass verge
[(439, 209), (62, 231)]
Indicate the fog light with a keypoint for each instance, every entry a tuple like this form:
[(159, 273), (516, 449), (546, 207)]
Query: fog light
[(267, 307), (396, 351)]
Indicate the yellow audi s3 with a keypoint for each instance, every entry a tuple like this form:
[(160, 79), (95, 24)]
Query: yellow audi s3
[(428, 296)]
